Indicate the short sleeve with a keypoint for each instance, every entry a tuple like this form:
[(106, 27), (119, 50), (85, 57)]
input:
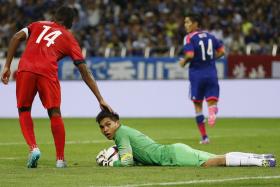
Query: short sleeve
[(218, 44), (188, 48), (30, 28), (76, 52), (25, 30)]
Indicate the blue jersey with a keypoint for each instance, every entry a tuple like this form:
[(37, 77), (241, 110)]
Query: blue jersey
[(203, 45)]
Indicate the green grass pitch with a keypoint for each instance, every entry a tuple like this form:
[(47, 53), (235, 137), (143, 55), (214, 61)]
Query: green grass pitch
[(84, 141)]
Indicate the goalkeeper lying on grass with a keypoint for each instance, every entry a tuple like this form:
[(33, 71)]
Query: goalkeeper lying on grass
[(136, 148)]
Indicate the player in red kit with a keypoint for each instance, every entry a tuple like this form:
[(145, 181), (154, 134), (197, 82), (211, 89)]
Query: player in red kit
[(47, 42)]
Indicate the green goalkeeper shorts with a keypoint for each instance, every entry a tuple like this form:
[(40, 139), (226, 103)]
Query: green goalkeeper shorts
[(183, 155)]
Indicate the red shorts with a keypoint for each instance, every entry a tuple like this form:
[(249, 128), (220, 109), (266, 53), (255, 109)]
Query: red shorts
[(27, 86)]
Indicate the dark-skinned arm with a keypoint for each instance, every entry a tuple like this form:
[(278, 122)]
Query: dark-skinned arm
[(13, 45), (90, 81)]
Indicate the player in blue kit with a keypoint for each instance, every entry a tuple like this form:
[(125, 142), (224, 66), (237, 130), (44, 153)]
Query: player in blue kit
[(201, 49)]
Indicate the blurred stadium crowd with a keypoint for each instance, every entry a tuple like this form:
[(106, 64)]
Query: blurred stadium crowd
[(130, 27)]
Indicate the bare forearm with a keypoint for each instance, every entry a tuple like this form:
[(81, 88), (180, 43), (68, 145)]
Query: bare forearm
[(14, 43), (90, 81)]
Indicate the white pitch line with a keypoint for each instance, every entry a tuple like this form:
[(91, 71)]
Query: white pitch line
[(11, 158), (47, 143), (74, 142), (198, 181), (67, 142)]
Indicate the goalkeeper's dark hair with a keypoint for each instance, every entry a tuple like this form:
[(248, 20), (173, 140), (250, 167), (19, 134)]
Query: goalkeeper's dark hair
[(106, 114), (65, 15), (195, 18)]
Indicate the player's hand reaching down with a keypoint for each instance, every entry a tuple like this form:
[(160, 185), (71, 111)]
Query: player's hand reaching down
[(5, 76), (105, 106)]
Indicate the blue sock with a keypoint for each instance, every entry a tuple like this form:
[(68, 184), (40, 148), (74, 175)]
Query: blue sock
[(199, 118), (201, 125)]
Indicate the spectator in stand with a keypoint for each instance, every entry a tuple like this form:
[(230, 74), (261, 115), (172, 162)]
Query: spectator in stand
[(157, 17)]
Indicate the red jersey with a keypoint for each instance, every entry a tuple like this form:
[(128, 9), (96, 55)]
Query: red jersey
[(48, 42)]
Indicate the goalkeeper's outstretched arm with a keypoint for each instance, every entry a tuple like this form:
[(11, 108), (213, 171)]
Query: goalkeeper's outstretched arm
[(125, 160), (125, 152)]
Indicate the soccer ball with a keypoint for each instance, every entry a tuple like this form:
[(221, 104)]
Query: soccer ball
[(112, 153)]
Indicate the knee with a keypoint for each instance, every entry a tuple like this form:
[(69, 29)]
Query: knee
[(212, 102), (216, 161), (198, 106), (52, 112), (24, 109), (199, 119)]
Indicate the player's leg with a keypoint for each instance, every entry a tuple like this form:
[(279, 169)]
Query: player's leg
[(49, 92), (241, 159), (58, 132), (26, 91), (253, 155), (212, 97), (27, 126), (187, 156), (197, 96), (200, 121), (218, 160), (250, 159), (212, 111)]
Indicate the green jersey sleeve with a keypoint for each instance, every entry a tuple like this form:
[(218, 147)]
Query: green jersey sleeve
[(125, 151), (134, 147)]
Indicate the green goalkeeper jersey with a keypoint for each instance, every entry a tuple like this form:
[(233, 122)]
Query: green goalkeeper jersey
[(136, 148)]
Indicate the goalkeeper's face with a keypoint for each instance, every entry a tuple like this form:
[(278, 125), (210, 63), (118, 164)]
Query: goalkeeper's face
[(108, 127)]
